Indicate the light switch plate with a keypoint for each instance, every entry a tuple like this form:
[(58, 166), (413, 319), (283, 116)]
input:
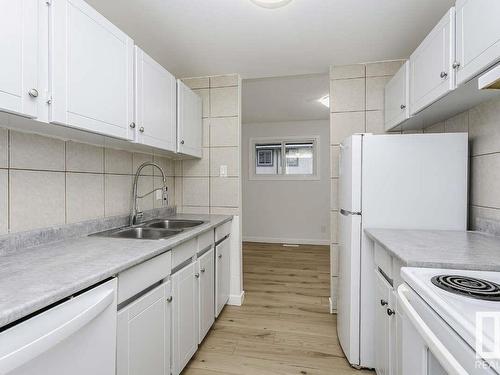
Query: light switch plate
[(223, 171)]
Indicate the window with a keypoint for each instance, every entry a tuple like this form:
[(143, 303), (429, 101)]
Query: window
[(289, 158)]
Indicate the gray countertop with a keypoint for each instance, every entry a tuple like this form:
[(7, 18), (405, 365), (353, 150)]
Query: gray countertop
[(440, 249), (34, 278)]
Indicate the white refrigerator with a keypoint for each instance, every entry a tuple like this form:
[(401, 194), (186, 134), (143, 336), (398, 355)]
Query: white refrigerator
[(416, 181)]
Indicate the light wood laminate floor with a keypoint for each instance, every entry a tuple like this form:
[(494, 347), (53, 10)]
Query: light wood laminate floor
[(284, 326)]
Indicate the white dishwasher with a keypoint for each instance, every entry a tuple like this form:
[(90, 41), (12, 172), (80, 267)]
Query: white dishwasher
[(77, 337)]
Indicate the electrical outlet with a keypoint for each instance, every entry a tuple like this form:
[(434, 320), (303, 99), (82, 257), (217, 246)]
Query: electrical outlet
[(223, 171)]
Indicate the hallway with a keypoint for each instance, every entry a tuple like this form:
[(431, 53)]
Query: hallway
[(284, 326)]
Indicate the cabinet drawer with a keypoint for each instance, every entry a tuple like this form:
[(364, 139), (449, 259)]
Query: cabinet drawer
[(205, 240), (138, 278), (222, 230), (383, 260), (184, 251)]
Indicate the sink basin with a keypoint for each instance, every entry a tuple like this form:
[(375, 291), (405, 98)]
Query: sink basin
[(173, 224), (139, 233)]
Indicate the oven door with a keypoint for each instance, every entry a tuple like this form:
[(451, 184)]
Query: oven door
[(429, 345)]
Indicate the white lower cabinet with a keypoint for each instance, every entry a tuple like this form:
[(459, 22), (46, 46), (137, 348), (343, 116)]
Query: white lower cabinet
[(144, 334), (206, 293), (222, 277), (184, 316), (383, 309)]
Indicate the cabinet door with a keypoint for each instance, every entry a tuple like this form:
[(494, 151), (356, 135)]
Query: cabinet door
[(155, 103), (189, 121), (184, 317), (382, 326), (168, 327), (478, 37), (207, 293), (143, 335), (431, 72), (222, 252), (19, 22), (397, 98), (92, 73)]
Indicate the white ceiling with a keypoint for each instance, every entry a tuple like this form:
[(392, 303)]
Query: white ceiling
[(204, 37), (284, 99)]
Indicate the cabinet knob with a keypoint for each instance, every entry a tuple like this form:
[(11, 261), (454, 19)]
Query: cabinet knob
[(456, 65), (33, 93), (403, 106), (141, 129), (383, 302), (132, 125), (220, 256), (202, 270), (443, 75), (169, 299), (182, 142), (197, 275), (390, 312)]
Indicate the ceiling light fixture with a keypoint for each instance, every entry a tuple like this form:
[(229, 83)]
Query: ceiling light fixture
[(325, 100), (271, 4)]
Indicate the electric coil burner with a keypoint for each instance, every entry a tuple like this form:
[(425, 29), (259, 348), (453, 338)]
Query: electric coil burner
[(468, 287)]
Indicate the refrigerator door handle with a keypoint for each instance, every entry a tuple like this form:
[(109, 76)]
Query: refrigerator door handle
[(349, 213)]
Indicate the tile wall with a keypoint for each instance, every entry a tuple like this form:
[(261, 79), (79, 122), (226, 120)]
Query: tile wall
[(47, 181), (483, 125), (199, 187), (356, 106)]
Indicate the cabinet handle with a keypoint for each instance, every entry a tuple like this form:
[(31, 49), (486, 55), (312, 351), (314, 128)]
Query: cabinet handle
[(169, 299), (383, 302), (202, 270), (132, 125), (33, 93), (390, 312), (141, 129), (182, 142), (220, 256), (456, 65), (443, 75), (197, 275), (402, 106)]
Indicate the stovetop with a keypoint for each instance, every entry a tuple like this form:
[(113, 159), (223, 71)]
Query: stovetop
[(458, 296)]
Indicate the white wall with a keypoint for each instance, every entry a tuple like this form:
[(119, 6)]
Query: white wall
[(287, 211)]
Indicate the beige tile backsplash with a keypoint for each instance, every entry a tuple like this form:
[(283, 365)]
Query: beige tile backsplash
[(483, 125), (199, 188), (46, 181)]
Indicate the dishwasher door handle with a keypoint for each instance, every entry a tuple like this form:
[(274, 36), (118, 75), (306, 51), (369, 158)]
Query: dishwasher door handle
[(29, 339)]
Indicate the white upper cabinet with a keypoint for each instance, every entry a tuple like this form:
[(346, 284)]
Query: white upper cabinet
[(397, 98), (155, 103), (478, 37), (431, 73), (20, 88), (91, 65), (189, 121)]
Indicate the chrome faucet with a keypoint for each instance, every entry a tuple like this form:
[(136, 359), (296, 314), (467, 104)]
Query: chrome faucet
[(136, 215)]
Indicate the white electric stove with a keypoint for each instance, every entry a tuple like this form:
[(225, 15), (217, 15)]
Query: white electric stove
[(450, 321)]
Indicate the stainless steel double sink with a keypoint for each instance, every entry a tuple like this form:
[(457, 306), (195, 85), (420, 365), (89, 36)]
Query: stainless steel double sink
[(151, 230)]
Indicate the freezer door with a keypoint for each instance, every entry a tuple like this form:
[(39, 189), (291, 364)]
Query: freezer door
[(350, 174)]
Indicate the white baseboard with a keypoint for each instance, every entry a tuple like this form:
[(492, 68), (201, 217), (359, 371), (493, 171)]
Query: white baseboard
[(298, 241), (236, 299)]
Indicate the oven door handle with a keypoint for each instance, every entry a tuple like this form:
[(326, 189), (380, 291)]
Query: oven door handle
[(445, 358)]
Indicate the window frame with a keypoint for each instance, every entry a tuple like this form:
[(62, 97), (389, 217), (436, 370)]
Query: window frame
[(283, 176)]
